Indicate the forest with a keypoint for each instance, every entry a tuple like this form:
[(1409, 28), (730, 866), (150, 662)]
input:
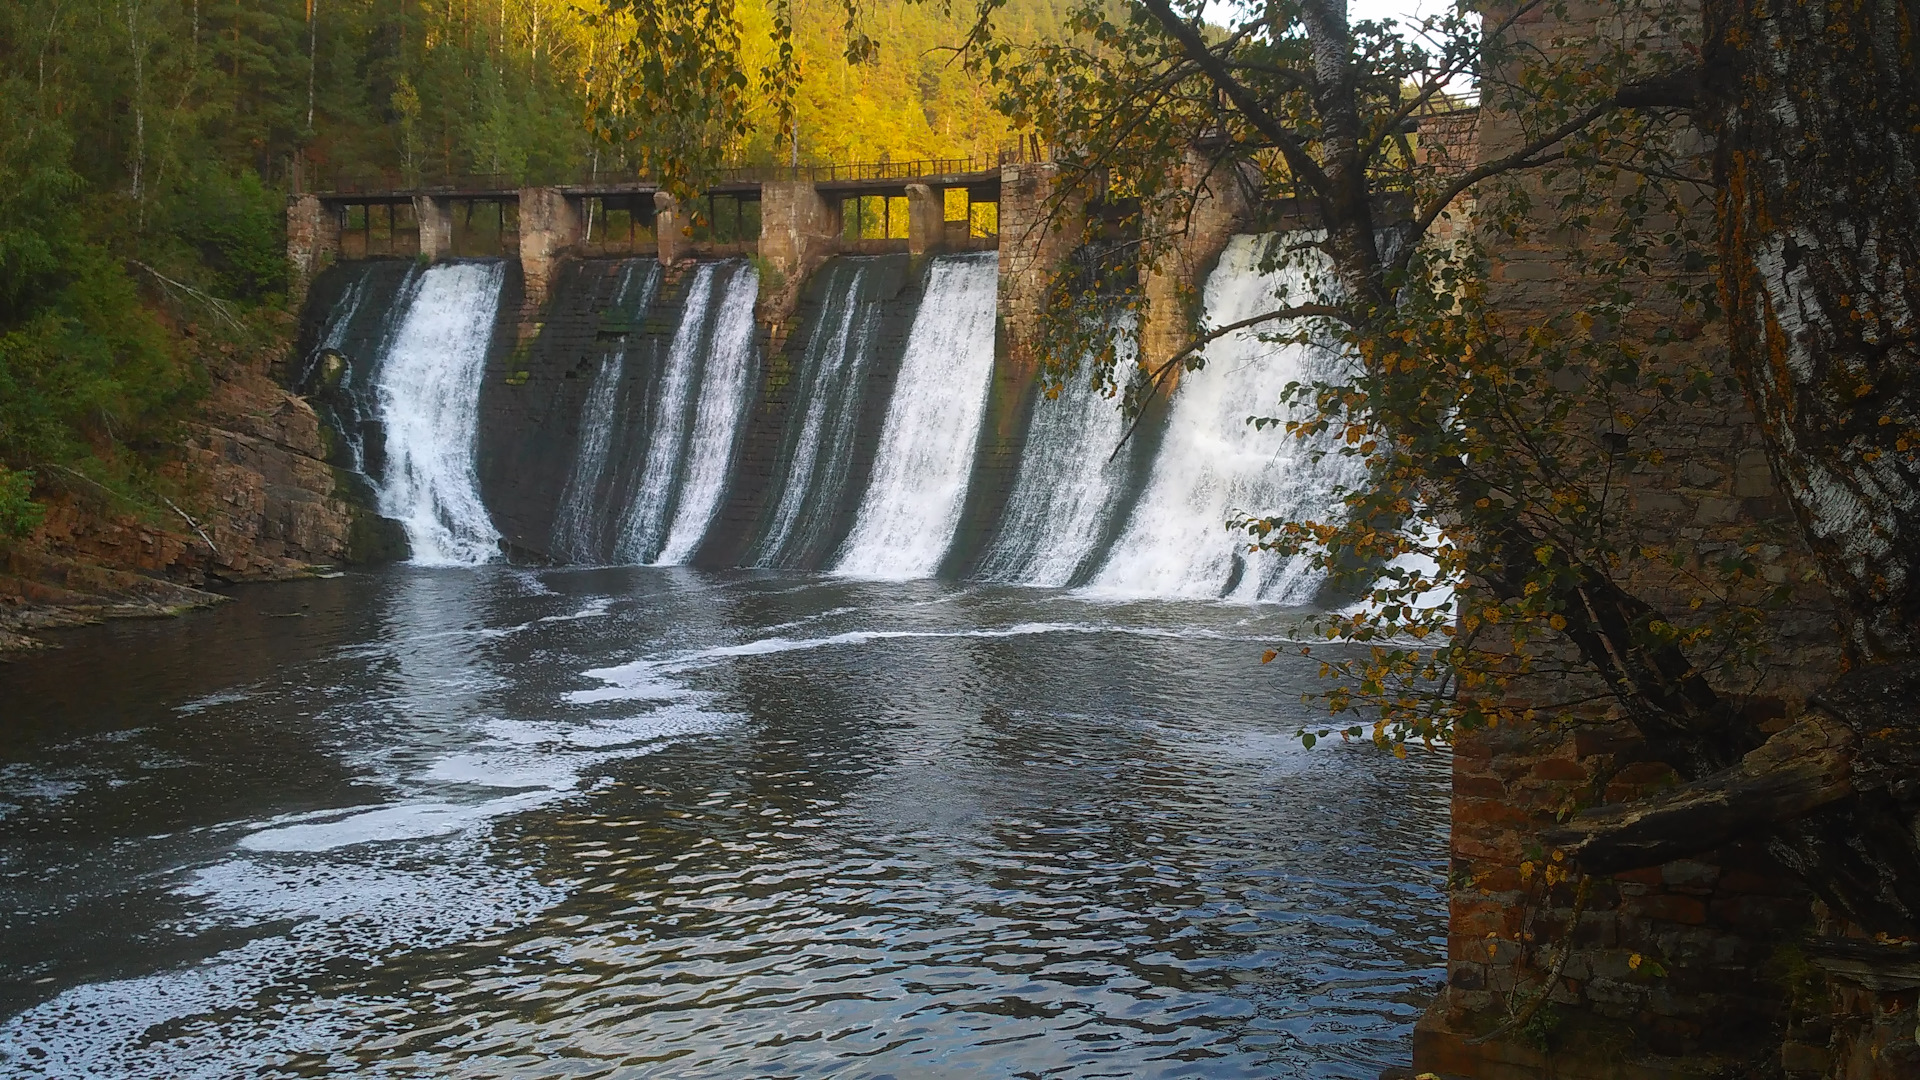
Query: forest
[(146, 150)]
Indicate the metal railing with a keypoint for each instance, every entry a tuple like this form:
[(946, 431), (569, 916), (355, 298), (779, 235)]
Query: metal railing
[(392, 183)]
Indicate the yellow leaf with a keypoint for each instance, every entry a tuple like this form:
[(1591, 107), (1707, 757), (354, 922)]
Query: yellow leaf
[(1268, 656)]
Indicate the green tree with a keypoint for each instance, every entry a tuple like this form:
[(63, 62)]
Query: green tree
[(1490, 445)]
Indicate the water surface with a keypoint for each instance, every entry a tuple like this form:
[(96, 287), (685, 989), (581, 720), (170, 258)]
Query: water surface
[(656, 823)]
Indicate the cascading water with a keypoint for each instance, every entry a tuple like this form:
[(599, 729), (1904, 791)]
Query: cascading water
[(1068, 486), (429, 404), (647, 518), (1213, 465), (726, 382), (664, 428), (577, 532), (832, 371), (920, 472), (342, 379)]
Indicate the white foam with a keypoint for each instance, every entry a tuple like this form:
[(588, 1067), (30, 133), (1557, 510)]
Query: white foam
[(429, 393), (1213, 465), (726, 389)]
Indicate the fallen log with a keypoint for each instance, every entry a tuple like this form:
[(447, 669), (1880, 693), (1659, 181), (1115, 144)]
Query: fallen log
[(1836, 796)]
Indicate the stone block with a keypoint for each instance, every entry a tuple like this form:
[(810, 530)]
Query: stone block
[(670, 229), (313, 241), (926, 219), (435, 218), (549, 229)]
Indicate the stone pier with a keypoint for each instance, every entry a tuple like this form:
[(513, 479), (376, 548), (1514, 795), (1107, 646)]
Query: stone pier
[(669, 228), (1188, 243), (926, 219), (798, 232), (1036, 235), (435, 218), (549, 229), (313, 241)]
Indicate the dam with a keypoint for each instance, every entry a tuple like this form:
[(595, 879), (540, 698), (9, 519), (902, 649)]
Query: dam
[(817, 374)]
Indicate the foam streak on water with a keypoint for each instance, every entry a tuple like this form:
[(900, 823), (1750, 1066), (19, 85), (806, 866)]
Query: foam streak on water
[(725, 385), (571, 822), (925, 458), (429, 400), (647, 520), (1213, 465)]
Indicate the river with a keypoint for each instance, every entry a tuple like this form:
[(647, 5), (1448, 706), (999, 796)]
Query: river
[(644, 822)]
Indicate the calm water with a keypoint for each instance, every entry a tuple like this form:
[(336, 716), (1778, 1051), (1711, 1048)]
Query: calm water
[(645, 823)]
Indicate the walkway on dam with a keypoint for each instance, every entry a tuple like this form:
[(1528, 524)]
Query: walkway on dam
[(874, 207)]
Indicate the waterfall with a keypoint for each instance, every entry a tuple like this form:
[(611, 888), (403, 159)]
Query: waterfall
[(333, 334), (647, 518), (577, 532), (726, 383), (832, 374), (351, 398), (920, 472), (429, 406), (1213, 465), (1068, 486)]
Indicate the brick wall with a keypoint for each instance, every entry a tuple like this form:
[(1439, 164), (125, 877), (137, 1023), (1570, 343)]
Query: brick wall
[(1683, 969)]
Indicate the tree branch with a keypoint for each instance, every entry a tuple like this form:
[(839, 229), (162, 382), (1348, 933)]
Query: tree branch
[(1298, 159), (1298, 311), (1676, 89)]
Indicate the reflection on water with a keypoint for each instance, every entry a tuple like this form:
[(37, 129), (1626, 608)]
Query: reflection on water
[(656, 823)]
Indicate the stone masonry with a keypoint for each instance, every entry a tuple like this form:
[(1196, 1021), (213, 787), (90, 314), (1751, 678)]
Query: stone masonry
[(1191, 236), (1036, 235), (313, 241), (1691, 969), (435, 218), (549, 228)]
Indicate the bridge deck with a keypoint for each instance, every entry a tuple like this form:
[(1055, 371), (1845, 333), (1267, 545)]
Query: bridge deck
[(875, 178)]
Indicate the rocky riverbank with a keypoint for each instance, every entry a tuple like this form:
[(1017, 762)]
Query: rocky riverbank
[(259, 502)]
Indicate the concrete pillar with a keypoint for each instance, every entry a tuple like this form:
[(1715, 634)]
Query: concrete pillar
[(435, 217), (669, 229), (549, 228), (1184, 250), (313, 240), (926, 219), (798, 232), (1036, 235)]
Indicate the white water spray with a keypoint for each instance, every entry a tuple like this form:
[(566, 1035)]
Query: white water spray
[(576, 532), (726, 384), (646, 525), (837, 362), (429, 399), (1068, 484), (1213, 465), (920, 472)]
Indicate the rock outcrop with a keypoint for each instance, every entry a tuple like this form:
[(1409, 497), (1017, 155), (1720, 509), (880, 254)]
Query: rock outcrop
[(258, 502)]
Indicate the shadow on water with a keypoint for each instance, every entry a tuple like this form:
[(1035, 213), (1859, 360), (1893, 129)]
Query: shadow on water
[(629, 822)]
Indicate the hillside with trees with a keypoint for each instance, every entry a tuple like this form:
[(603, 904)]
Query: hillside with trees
[(146, 149)]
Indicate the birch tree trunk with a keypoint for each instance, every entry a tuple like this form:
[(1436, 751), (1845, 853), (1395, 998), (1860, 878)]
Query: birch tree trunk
[(1816, 112)]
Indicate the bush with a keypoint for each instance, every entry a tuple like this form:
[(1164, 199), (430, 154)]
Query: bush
[(236, 226), (18, 512)]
